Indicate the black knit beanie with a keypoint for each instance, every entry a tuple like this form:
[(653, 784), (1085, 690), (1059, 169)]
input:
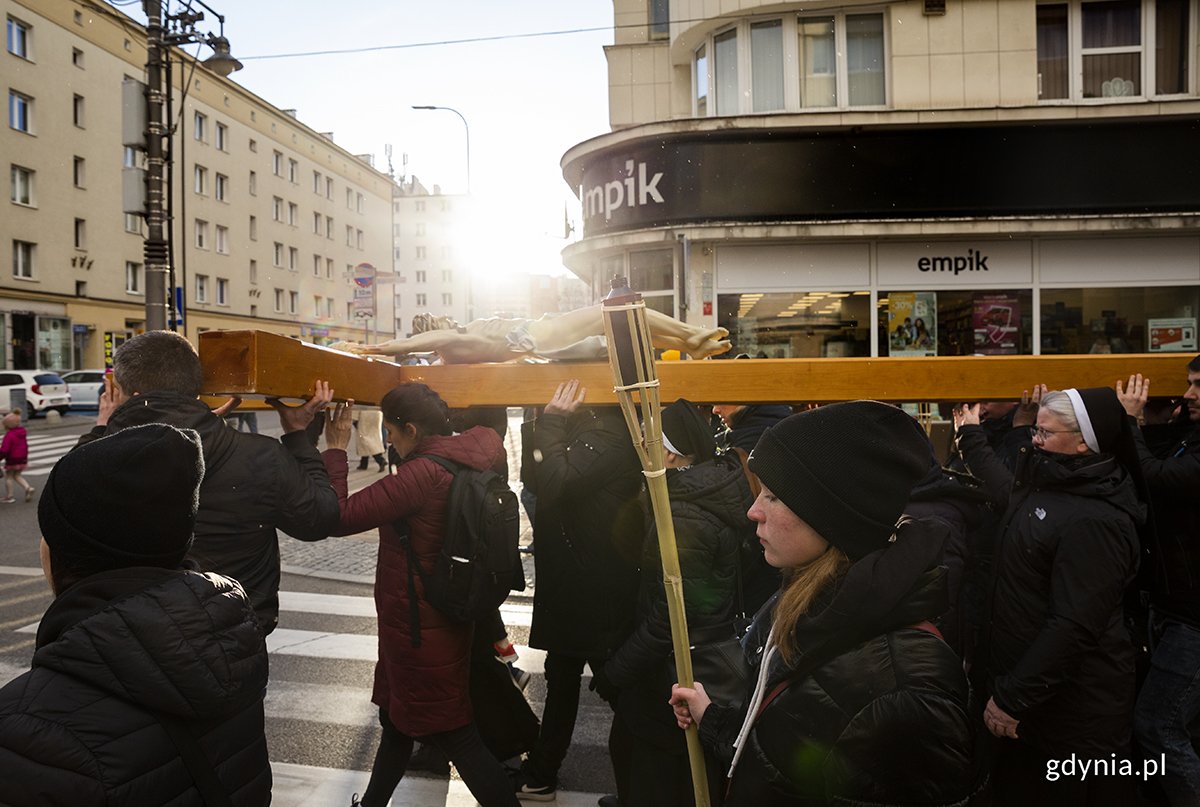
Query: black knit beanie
[(686, 432), (128, 498), (846, 469)]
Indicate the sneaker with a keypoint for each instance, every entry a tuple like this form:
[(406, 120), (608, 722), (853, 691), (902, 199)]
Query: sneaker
[(29, 494), (7, 500), (529, 790), (520, 677)]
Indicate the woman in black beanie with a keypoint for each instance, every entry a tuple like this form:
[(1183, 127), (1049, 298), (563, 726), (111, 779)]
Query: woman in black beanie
[(856, 697), (1060, 660)]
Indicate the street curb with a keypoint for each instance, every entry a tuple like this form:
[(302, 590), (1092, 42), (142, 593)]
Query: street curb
[(364, 579)]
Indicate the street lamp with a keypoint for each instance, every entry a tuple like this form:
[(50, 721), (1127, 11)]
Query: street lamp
[(180, 30), (467, 129)]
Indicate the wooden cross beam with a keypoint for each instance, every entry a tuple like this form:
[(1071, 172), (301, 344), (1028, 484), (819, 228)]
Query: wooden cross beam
[(261, 364)]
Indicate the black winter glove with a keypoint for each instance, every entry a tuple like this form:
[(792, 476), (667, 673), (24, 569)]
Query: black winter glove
[(604, 687)]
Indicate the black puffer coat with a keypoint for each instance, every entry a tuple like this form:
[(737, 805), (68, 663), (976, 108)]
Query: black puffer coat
[(113, 652), (252, 485), (587, 533), (877, 711), (1060, 657), (1173, 477), (708, 509)]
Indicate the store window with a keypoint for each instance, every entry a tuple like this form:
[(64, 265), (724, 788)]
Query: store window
[(1120, 320), (797, 324), (54, 343), (955, 323)]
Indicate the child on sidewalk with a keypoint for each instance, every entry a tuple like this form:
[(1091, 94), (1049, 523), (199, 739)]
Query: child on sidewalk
[(14, 449)]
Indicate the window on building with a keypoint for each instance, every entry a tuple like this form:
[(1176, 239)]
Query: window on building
[(329, 302), (222, 137), (277, 163), (253, 271), (317, 306), (279, 300), (445, 205), (77, 111), (77, 57), (317, 185), (420, 230), (421, 299), (419, 205), (22, 186), (200, 127), (837, 59), (447, 276), (133, 223), (420, 275), (293, 302), (221, 187), (420, 253), (24, 253), (358, 238), (329, 268), (293, 259), (396, 230), (80, 233), (329, 227), (660, 19), (20, 36), (201, 229), (222, 291), (293, 213), (79, 172), (277, 208), (447, 298), (254, 228), (20, 111), (328, 187), (278, 254), (317, 264), (358, 202), (349, 236), (200, 179), (222, 234), (349, 198), (293, 171), (133, 278), (253, 184), (253, 145), (1104, 48), (202, 288), (316, 223), (447, 252)]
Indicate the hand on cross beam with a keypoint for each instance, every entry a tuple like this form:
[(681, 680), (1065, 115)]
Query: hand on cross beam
[(298, 418)]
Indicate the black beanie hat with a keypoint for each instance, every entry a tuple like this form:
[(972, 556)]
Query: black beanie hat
[(846, 469), (128, 499), (687, 431)]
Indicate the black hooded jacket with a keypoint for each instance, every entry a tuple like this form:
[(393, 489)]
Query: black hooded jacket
[(117, 654), (877, 711), (1061, 660), (587, 531), (708, 509), (252, 485), (749, 424)]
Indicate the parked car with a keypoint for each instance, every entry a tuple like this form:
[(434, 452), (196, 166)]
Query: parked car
[(43, 390), (85, 387)]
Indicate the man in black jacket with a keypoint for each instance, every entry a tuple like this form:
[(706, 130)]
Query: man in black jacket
[(588, 535), (147, 682), (1168, 706), (254, 483)]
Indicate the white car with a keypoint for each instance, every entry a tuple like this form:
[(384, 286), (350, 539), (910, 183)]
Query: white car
[(85, 387), (43, 390)]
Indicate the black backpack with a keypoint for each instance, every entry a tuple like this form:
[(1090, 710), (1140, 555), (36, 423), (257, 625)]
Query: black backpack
[(479, 563)]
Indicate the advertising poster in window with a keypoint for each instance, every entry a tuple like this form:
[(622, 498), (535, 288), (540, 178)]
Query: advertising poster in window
[(912, 323), (996, 320), (1172, 334)]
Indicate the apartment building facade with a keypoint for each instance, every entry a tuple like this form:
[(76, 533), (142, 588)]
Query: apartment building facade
[(858, 178), (271, 220), (433, 273)]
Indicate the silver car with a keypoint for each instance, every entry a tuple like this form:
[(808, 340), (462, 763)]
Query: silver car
[(85, 387)]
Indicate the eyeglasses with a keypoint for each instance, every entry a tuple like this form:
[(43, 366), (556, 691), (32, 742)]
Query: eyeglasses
[(1039, 432)]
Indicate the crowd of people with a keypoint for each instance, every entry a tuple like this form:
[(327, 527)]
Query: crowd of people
[(1016, 625)]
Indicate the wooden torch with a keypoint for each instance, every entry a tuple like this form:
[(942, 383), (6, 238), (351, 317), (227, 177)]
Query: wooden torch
[(631, 357)]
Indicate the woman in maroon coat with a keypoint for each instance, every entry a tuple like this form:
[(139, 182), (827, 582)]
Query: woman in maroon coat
[(420, 688)]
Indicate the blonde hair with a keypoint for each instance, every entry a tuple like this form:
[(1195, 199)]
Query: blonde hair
[(803, 585)]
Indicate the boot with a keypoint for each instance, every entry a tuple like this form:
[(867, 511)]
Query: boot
[(362, 463), (382, 463)]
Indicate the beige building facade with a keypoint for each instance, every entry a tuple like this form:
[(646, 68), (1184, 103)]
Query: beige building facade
[(433, 273), (272, 220), (902, 178)]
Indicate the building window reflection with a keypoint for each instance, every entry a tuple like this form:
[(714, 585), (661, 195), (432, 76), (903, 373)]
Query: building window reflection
[(797, 325), (1120, 320), (955, 323)]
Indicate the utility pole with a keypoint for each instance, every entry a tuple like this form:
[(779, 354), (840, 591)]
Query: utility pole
[(155, 247)]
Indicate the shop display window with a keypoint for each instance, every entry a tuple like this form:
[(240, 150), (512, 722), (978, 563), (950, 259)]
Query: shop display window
[(955, 323), (1120, 320), (797, 324)]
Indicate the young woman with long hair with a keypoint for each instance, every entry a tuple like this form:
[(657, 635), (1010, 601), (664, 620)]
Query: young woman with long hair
[(856, 698)]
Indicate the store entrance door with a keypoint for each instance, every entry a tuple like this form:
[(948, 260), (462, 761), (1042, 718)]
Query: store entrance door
[(24, 341)]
